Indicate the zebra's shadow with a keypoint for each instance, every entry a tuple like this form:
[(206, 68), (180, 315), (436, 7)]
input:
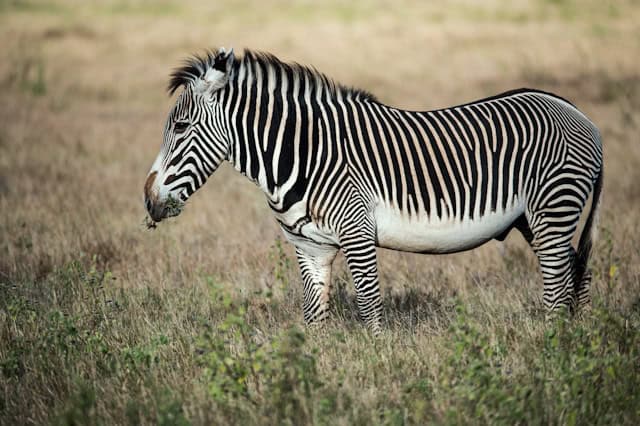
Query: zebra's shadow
[(402, 308)]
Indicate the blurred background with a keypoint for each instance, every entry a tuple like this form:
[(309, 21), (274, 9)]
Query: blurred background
[(83, 104)]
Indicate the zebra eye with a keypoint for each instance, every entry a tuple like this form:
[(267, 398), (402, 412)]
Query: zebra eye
[(180, 126)]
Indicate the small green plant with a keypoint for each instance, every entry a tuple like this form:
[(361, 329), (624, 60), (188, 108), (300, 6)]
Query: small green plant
[(29, 72), (12, 364), (282, 264), (474, 377), (241, 370), (170, 411), (143, 357), (229, 371), (611, 269), (418, 398), (580, 370), (80, 408), (585, 370), (291, 376), (60, 336)]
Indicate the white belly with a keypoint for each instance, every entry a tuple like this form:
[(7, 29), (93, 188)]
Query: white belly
[(425, 235)]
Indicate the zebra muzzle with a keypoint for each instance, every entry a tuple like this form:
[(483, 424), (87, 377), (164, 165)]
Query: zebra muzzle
[(155, 209), (159, 208)]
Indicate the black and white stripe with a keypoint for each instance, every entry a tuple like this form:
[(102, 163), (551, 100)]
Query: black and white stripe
[(344, 171)]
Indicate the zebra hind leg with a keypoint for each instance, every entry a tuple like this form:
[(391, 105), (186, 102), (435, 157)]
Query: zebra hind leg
[(550, 238), (561, 264), (315, 268), (583, 290), (557, 265)]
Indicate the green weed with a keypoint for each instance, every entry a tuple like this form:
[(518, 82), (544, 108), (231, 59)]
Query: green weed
[(282, 265), (579, 372), (243, 370)]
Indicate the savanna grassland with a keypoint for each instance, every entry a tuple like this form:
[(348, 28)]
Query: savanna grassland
[(199, 321)]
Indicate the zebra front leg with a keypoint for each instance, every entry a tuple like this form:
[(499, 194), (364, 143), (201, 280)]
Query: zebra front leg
[(315, 267), (361, 258)]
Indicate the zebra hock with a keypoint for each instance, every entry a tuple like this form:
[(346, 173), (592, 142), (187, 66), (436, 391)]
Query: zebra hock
[(342, 171)]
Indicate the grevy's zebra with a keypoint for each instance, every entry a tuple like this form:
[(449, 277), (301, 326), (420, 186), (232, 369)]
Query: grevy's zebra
[(343, 171)]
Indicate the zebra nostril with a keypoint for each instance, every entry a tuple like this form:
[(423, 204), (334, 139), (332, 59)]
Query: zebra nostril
[(147, 204)]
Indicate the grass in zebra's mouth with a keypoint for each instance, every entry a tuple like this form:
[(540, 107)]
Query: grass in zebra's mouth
[(173, 206)]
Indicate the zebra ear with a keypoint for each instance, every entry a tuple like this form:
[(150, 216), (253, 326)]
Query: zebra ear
[(224, 60), (217, 75)]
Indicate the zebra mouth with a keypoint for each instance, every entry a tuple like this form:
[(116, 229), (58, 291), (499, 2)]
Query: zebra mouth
[(173, 207), (172, 212), (157, 212)]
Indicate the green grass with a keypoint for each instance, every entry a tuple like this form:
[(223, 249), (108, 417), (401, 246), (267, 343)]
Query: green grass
[(73, 340), (142, 8), (32, 6)]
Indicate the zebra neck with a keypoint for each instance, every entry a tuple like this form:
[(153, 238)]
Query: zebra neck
[(283, 127)]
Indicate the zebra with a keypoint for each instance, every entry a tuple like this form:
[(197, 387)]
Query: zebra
[(343, 171)]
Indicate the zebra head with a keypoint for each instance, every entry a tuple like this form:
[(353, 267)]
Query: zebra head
[(195, 136)]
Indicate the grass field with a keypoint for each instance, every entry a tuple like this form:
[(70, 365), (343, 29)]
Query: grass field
[(199, 322)]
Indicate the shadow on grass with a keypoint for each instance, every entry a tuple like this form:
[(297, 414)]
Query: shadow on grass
[(403, 308)]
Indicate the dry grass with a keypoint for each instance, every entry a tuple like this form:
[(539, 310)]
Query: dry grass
[(82, 105)]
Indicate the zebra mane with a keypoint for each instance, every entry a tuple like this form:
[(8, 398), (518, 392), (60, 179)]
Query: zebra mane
[(196, 66)]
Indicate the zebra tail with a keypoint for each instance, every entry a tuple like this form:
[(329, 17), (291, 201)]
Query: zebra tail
[(590, 230)]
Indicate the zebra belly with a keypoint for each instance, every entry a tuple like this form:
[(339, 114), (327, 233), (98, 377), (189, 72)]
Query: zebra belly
[(396, 230)]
